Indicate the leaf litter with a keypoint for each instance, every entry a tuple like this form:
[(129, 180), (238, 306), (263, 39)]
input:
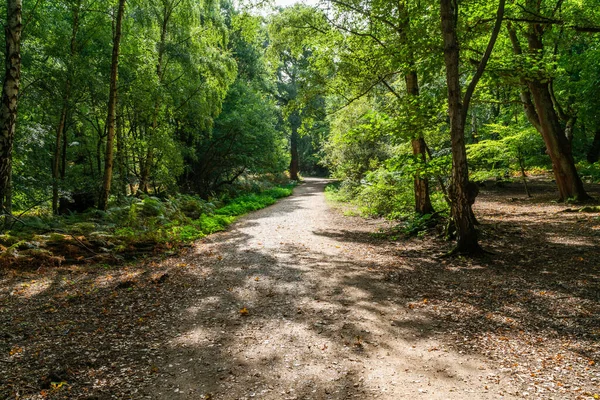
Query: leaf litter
[(336, 313)]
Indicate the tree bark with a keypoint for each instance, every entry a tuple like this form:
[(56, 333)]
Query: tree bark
[(112, 110), (10, 96), (422, 198), (540, 109), (558, 146), (460, 207), (524, 92), (421, 184), (294, 120), (460, 198)]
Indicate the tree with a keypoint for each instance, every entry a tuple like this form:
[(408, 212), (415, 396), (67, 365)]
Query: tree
[(243, 140), (289, 83), (458, 107), (179, 71), (61, 140), (164, 12), (388, 41), (299, 84), (541, 106), (112, 109), (10, 98)]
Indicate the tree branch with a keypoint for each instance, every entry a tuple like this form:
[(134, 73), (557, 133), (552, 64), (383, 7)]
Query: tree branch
[(484, 61)]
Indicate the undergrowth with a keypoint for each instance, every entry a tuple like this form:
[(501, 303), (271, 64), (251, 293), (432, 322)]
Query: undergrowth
[(393, 200), (589, 172), (384, 197), (135, 226)]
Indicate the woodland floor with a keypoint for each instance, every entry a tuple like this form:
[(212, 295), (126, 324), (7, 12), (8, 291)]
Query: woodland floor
[(297, 301)]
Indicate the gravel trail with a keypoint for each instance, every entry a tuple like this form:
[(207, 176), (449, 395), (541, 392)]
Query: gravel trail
[(293, 305)]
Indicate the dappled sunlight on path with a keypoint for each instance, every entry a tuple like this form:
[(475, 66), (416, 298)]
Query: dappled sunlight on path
[(320, 322), (297, 301)]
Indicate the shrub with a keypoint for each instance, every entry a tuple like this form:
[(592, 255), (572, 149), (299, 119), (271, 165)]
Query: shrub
[(146, 221)]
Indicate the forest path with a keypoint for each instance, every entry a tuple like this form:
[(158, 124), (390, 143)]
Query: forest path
[(330, 311), (321, 322)]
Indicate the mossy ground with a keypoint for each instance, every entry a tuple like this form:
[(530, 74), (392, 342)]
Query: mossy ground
[(137, 227)]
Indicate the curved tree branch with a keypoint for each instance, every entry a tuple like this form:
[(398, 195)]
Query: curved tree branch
[(483, 63)]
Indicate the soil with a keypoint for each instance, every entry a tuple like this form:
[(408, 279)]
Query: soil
[(298, 301)]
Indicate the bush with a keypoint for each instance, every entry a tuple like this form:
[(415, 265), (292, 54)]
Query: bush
[(152, 207), (589, 172), (385, 193), (193, 207)]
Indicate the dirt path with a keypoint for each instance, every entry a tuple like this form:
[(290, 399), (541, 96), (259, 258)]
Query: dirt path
[(297, 301), (321, 324)]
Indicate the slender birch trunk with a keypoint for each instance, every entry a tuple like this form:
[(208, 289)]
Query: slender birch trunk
[(10, 96)]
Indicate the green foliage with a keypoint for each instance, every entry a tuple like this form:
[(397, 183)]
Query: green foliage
[(382, 193), (141, 222), (411, 225), (252, 202), (193, 207), (195, 105), (385, 193), (358, 142), (513, 147), (589, 172)]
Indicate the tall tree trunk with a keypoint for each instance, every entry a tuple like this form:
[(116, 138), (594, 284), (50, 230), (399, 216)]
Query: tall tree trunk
[(524, 93), (295, 159), (558, 146), (570, 128), (461, 199), (57, 171), (539, 106), (10, 96), (112, 110), (460, 207), (421, 184)]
